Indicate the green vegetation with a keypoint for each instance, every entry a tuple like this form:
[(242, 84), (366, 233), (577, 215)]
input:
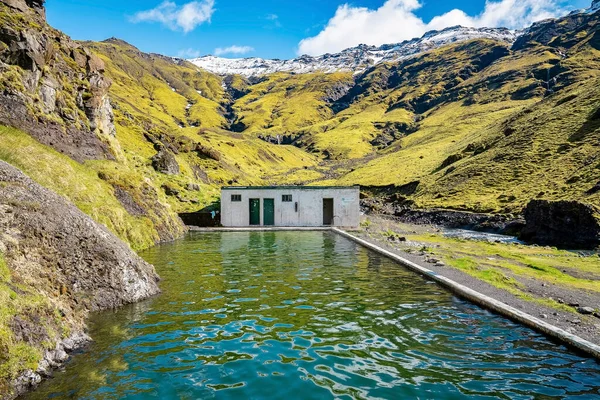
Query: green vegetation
[(509, 266), (284, 104), (463, 121), (527, 272)]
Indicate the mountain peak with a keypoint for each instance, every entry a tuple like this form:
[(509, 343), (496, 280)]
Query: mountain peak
[(354, 59)]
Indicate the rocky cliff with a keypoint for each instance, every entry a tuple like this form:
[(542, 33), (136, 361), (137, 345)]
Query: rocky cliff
[(56, 265), (562, 223), (56, 90), (53, 88)]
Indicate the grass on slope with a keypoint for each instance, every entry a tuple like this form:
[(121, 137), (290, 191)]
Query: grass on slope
[(559, 159), (507, 141), (349, 134), (400, 94), (160, 90), (285, 104), (179, 104), (445, 131)]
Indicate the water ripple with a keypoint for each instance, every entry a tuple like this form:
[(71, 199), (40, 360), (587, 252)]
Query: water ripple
[(287, 315)]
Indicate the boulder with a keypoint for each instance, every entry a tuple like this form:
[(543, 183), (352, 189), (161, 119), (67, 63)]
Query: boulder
[(26, 6), (170, 190), (585, 310), (164, 161), (562, 223)]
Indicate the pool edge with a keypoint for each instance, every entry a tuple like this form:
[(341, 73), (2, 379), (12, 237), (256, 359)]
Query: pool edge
[(483, 300)]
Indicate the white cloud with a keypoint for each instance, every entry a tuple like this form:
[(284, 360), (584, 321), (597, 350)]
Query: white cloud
[(272, 17), (396, 21), (186, 17), (189, 53), (219, 51)]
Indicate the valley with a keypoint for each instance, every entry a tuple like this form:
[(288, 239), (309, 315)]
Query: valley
[(487, 125)]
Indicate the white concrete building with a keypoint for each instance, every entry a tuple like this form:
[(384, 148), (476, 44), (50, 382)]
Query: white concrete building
[(301, 206)]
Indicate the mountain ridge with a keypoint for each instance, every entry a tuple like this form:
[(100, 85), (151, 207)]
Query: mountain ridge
[(359, 58), (355, 59)]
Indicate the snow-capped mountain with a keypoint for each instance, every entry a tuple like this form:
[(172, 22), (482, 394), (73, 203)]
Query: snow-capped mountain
[(595, 7), (354, 59)]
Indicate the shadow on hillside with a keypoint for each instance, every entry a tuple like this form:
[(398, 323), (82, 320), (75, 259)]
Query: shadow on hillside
[(590, 126)]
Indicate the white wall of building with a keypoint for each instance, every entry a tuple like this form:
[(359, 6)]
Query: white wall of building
[(310, 206)]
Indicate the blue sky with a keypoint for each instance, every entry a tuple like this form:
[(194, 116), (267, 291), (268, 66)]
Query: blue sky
[(283, 28)]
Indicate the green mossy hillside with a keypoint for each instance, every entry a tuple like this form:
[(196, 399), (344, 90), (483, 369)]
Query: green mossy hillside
[(159, 91), (92, 187), (284, 104), (155, 101), (524, 127)]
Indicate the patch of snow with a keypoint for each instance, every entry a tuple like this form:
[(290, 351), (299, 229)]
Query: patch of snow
[(595, 7)]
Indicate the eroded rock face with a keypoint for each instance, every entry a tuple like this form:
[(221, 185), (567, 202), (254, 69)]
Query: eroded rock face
[(562, 223), (164, 161), (53, 249), (38, 62)]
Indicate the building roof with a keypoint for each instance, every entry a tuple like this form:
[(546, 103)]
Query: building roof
[(287, 187)]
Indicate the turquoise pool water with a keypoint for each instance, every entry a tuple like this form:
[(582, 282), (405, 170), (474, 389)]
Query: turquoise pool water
[(309, 315)]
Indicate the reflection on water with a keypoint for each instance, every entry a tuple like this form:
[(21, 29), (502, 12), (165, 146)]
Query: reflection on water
[(308, 315)]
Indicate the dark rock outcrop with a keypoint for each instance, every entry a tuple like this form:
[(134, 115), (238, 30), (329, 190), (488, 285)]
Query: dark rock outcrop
[(392, 201), (164, 161), (57, 253), (562, 223), (496, 223)]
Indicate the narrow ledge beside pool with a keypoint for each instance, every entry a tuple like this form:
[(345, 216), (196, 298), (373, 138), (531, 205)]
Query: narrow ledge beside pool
[(309, 315)]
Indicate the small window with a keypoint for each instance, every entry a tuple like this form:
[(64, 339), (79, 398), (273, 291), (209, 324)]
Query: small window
[(286, 198), (236, 197)]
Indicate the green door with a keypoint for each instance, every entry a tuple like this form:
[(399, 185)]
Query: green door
[(269, 212), (254, 211)]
